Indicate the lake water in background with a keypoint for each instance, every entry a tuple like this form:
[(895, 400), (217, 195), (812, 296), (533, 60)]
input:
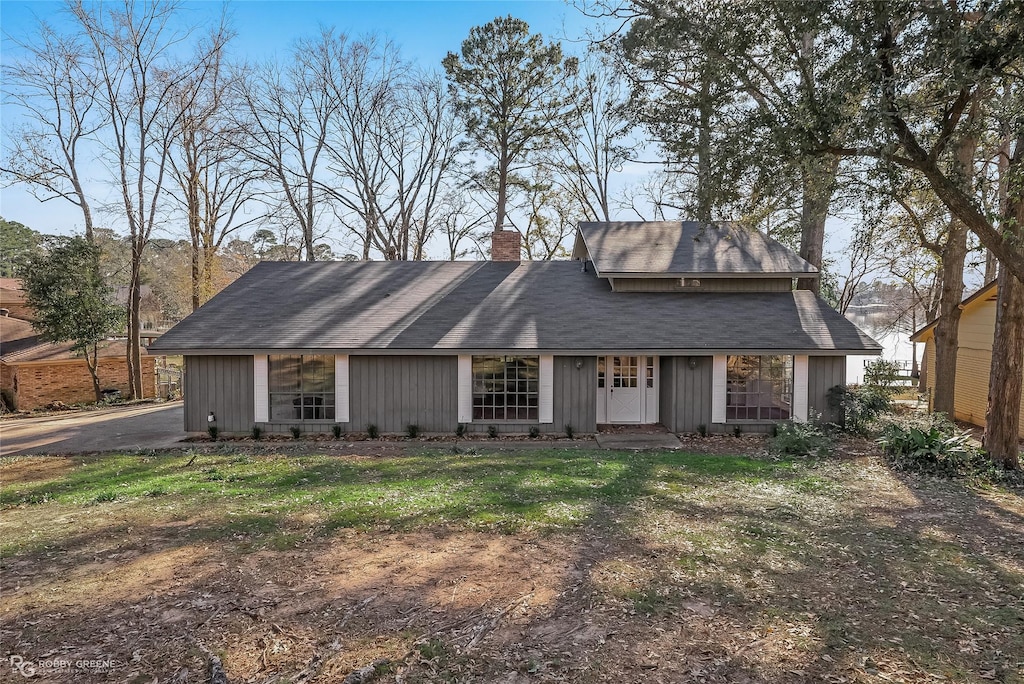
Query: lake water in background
[(895, 346)]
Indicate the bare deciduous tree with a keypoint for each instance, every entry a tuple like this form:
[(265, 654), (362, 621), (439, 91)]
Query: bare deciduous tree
[(133, 48), (214, 176), (55, 87)]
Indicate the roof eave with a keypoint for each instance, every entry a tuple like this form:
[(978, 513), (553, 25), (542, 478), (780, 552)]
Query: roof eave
[(681, 351)]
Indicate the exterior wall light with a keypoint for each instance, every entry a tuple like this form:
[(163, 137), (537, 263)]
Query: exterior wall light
[(579, 362), (691, 361), (211, 419)]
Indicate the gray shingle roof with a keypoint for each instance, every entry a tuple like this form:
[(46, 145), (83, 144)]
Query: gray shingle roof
[(486, 305), (685, 248)]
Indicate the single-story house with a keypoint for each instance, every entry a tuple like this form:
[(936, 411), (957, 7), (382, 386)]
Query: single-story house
[(687, 324), (35, 373), (973, 357)]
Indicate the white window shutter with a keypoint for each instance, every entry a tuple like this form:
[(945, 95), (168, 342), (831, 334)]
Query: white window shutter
[(341, 412), (800, 388), (261, 389), (718, 388), (465, 379), (546, 400)]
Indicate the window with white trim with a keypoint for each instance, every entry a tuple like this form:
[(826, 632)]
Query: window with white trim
[(301, 387), (759, 388), (506, 387)]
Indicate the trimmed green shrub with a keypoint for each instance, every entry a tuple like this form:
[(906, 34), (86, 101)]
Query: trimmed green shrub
[(371, 431), (534, 432), (460, 430), (336, 431), (492, 431), (702, 430), (412, 431), (570, 431), (296, 431), (213, 431), (257, 432)]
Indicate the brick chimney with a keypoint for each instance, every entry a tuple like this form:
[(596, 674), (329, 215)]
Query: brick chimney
[(506, 245)]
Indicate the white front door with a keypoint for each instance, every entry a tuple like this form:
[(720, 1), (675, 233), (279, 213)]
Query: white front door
[(625, 390)]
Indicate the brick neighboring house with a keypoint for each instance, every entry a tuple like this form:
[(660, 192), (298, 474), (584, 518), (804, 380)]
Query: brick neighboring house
[(35, 373)]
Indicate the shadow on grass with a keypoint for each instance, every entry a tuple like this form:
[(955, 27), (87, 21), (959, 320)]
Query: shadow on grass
[(742, 569)]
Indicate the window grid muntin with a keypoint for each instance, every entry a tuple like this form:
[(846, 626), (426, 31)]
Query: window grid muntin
[(746, 393), (301, 387), (506, 388), (625, 371)]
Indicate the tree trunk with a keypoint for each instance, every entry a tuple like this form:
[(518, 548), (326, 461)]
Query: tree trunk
[(135, 325), (91, 363), (196, 273), (947, 328), (1002, 420), (704, 148), (819, 182), (499, 209)]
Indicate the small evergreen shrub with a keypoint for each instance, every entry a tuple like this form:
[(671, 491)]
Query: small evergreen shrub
[(460, 430), (371, 431), (702, 430), (492, 431), (534, 432), (737, 430), (883, 377), (336, 431), (412, 431), (794, 438), (213, 431), (570, 431), (257, 432), (296, 431), (858, 407)]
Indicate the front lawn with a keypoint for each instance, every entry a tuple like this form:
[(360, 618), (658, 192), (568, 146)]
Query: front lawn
[(537, 565)]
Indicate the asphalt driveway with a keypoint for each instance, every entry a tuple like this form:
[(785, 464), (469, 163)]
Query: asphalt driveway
[(149, 426)]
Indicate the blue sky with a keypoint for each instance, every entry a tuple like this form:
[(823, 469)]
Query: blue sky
[(424, 30)]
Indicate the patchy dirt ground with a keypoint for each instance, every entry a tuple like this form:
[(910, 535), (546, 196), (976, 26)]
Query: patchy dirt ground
[(828, 572)]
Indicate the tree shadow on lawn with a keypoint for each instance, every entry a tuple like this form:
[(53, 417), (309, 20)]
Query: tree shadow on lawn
[(734, 570), (850, 591)]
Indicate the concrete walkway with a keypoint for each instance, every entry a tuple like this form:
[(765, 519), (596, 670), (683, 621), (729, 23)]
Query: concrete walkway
[(638, 441), (148, 426)]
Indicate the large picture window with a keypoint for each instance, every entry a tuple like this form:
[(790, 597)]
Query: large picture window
[(506, 387), (301, 387), (759, 388)]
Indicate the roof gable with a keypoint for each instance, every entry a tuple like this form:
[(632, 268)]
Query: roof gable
[(986, 293), (685, 249)]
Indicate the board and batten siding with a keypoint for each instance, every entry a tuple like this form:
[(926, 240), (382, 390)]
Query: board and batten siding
[(575, 394), (223, 385), (824, 373), (393, 392), (706, 285), (686, 393)]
